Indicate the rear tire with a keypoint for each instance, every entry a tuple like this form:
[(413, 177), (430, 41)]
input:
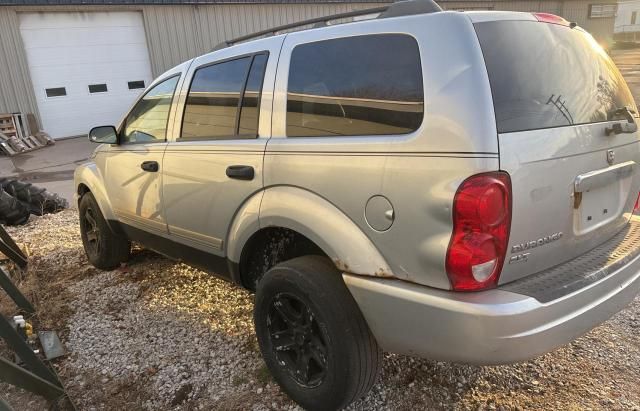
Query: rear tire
[(313, 336), (104, 249)]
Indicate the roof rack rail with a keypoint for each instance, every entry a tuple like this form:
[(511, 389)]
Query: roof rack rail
[(397, 9)]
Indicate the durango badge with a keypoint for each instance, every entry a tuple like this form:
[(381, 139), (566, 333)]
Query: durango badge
[(536, 243)]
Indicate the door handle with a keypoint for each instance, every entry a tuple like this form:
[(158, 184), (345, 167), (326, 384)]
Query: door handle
[(151, 166), (240, 172)]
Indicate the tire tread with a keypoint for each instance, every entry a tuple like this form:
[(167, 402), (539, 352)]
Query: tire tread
[(322, 274), (116, 249)]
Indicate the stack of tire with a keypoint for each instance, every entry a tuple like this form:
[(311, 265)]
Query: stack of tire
[(19, 200)]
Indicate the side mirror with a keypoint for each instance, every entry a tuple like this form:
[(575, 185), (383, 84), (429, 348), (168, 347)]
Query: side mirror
[(104, 135)]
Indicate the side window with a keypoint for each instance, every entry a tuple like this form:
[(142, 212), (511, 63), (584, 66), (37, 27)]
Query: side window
[(223, 100), (363, 85), (147, 122)]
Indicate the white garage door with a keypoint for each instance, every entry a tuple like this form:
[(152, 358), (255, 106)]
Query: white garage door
[(86, 68)]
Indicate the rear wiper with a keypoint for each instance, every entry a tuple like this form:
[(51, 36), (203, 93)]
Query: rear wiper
[(618, 128)]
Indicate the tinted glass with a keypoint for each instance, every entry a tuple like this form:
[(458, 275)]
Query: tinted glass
[(56, 92), (546, 75), (251, 100), (364, 85), (97, 88), (212, 103), (147, 122), (135, 84)]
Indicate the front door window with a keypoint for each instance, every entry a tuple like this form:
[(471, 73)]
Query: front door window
[(147, 122)]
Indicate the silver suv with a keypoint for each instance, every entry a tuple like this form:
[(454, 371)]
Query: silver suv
[(457, 186)]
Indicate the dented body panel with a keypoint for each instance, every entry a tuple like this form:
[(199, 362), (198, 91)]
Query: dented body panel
[(325, 225)]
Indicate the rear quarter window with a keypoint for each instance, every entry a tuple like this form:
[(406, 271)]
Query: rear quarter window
[(545, 75), (362, 85)]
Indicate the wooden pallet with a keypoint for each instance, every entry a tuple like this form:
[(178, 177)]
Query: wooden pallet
[(15, 134), (7, 126)]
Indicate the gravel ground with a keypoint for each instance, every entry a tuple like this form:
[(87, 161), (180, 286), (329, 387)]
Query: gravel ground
[(160, 335)]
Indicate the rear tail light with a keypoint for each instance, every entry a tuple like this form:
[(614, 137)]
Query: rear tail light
[(637, 206), (481, 225), (553, 19)]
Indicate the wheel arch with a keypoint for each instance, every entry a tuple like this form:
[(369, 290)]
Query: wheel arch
[(311, 218), (87, 179)]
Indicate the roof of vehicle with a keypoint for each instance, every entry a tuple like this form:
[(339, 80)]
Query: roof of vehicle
[(480, 16), (402, 8), (396, 9)]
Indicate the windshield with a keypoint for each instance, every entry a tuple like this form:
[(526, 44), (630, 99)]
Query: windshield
[(546, 75)]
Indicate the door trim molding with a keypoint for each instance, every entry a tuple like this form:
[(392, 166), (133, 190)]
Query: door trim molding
[(200, 239)]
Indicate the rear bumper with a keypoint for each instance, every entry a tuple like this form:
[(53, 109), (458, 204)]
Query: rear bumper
[(489, 327)]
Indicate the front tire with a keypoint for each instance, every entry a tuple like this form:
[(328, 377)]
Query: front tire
[(313, 336), (104, 249)]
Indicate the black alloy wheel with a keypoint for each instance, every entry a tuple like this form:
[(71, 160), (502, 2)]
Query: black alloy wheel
[(298, 340), (92, 231)]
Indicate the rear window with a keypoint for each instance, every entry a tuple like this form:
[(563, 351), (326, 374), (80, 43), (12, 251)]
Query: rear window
[(545, 75)]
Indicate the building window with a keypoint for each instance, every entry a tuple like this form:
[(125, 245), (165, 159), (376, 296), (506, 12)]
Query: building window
[(97, 88), (355, 86), (56, 92), (634, 17), (133, 85), (601, 11)]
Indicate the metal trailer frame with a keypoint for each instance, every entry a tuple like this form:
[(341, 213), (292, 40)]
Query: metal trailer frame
[(36, 376)]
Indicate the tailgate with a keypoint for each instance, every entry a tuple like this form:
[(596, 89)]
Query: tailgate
[(556, 92), (567, 199)]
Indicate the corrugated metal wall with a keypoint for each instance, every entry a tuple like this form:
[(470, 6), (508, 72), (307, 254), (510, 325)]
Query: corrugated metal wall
[(578, 10), (16, 90), (174, 34), (177, 33)]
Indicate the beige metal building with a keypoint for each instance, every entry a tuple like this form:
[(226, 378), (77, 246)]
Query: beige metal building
[(77, 63)]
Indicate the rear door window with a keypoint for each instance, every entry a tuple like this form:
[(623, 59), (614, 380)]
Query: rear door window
[(545, 75), (362, 85)]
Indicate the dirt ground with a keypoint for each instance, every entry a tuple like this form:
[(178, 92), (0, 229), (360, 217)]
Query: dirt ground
[(159, 335)]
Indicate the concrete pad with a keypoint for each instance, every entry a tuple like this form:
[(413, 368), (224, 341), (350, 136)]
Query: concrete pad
[(50, 167)]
